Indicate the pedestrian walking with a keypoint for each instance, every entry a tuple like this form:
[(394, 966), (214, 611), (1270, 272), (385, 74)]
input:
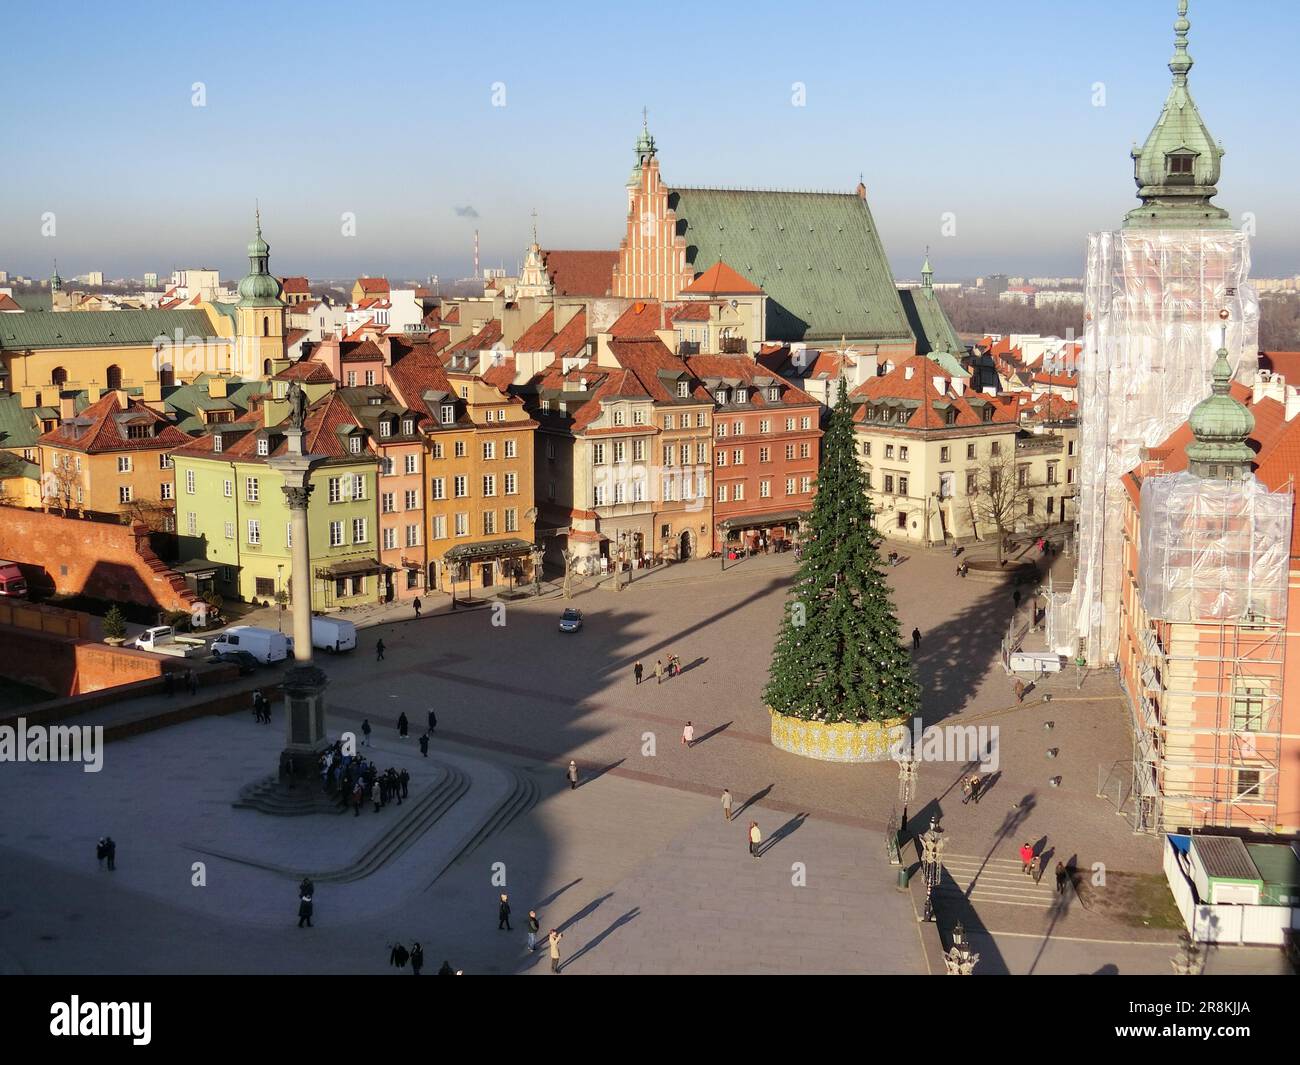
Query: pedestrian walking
[(306, 887), (503, 915), (534, 926), (966, 790), (916, 639), (688, 735), (965, 568), (659, 671), (1061, 878), (672, 665), (169, 683), (304, 911), (358, 797), (1036, 868), (571, 774), (638, 670), (257, 705), (365, 732), (417, 951), (110, 852), (726, 804), (191, 682), (101, 851), (424, 745), (1026, 857), (755, 839), (379, 650), (404, 780), (402, 725), (976, 784), (417, 604), (433, 721), (555, 937), (1020, 690)]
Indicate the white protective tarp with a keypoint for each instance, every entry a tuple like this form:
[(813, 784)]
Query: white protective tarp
[(1213, 550), (1155, 301)]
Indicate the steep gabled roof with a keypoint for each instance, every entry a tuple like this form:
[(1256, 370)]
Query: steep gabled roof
[(308, 371), (754, 375), (580, 273), (104, 427), (721, 280), (914, 385), (73, 329)]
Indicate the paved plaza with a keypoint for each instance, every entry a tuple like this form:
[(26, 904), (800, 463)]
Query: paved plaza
[(637, 866)]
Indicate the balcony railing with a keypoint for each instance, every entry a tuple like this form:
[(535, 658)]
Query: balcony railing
[(734, 346), (1040, 445)]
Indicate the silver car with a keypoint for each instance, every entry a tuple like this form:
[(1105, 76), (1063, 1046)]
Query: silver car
[(571, 620)]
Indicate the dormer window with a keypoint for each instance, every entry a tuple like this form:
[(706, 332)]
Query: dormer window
[(448, 413), (986, 414), (354, 445), (464, 391), (618, 417), (408, 426), (1179, 164), (774, 393), (683, 390), (742, 395), (638, 417), (721, 396), (263, 446), (216, 442), (385, 428)]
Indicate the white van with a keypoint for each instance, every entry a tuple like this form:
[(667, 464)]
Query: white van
[(333, 634), (266, 645)]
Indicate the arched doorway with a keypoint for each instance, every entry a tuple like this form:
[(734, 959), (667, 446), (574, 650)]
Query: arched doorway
[(266, 367), (113, 377), (684, 548), (58, 377)]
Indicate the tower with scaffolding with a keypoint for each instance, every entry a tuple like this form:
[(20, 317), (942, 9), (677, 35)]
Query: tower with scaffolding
[(1155, 291), (1203, 628)]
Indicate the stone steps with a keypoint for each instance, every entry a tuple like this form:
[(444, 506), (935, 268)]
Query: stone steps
[(270, 796), (413, 824), (523, 797)]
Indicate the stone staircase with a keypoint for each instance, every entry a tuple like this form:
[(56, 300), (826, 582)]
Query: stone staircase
[(522, 798), (995, 880), (270, 795)]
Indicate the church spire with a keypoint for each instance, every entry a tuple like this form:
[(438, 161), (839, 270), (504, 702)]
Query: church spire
[(927, 271), (1177, 169)]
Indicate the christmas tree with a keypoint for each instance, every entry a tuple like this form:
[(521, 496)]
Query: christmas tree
[(838, 656)]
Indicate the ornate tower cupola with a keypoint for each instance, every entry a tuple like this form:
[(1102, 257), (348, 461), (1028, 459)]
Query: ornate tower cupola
[(56, 282), (259, 288), (1177, 169), (927, 272), (1221, 425), (645, 150)]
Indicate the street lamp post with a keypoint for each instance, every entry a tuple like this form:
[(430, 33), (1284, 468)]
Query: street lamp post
[(279, 596), (933, 843), (960, 960), (722, 547)]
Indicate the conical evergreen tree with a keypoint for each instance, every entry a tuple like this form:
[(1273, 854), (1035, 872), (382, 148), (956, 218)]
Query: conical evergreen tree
[(838, 656)]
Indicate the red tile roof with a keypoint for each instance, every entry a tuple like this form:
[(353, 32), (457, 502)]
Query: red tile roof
[(743, 368), (647, 357), (580, 273), (480, 341), (102, 427), (324, 419), (1287, 363), (417, 371), (641, 319), (373, 286), (537, 335), (308, 371), (8, 303), (295, 284), (721, 280), (692, 312), (931, 404)]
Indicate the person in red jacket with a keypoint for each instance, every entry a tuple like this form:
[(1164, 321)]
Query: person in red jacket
[(1026, 856)]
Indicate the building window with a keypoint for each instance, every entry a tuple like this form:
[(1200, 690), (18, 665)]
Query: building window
[(722, 457), (902, 453), (995, 448), (408, 426), (618, 417), (970, 451), (448, 413), (359, 531), (902, 519), (412, 463), (889, 484), (1051, 473), (972, 483), (352, 379), (764, 489), (512, 519), (490, 484), (764, 454), (721, 429), (510, 450), (438, 488), (435, 449), (263, 446), (189, 483), (254, 531), (638, 417), (123, 463), (336, 534), (385, 430), (720, 396), (252, 489), (460, 487), (165, 490), (986, 414), (1022, 476), (458, 449), (620, 451), (335, 489), (1248, 784), (462, 524), (489, 522), (774, 393), (511, 484), (902, 486), (412, 499), (1248, 707), (390, 539), (889, 451), (597, 454), (620, 492), (765, 426), (412, 536), (945, 454), (789, 486), (489, 449), (638, 451), (230, 527), (683, 392), (598, 495), (722, 493), (440, 527)]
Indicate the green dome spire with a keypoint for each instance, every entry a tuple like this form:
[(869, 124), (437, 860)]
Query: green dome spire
[(1221, 425), (1177, 169), (259, 288), (645, 149)]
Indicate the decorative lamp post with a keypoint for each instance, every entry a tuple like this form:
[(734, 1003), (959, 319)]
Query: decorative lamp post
[(1190, 959), (279, 596), (933, 843), (906, 779), (960, 960), (722, 547)]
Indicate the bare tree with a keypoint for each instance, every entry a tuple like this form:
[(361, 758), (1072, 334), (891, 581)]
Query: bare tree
[(1003, 496), (59, 484), (570, 558), (152, 514)]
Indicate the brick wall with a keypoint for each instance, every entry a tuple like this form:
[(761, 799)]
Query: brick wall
[(63, 665), (98, 559)]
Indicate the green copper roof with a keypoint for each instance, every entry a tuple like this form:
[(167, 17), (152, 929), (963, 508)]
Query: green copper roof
[(928, 322), (259, 288), (1177, 169), (817, 255), (81, 329), (1220, 425), (18, 427)]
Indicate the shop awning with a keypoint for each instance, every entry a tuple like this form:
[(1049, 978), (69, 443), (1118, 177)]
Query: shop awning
[(487, 550), (201, 568), (755, 521), (356, 567)]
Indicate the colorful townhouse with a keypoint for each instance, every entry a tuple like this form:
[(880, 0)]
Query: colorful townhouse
[(112, 458), (233, 523)]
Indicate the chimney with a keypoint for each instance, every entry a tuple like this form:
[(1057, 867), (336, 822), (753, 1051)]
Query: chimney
[(152, 391), (67, 407), (216, 387), (92, 394)]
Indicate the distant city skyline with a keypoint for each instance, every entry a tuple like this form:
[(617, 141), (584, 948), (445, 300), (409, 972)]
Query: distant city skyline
[(984, 118)]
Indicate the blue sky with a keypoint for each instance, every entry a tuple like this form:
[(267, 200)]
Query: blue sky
[(984, 110)]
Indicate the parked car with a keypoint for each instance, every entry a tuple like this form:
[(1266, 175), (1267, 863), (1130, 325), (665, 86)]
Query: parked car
[(333, 634), (571, 620), (13, 584), (246, 662), (163, 640), (266, 645)]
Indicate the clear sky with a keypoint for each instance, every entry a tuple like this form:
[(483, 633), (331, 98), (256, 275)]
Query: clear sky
[(386, 110)]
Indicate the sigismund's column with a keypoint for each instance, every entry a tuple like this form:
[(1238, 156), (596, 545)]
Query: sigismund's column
[(304, 683)]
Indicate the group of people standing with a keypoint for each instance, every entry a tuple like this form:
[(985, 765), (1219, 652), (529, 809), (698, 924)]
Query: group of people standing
[(355, 779), (261, 707), (670, 666), (106, 851)]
